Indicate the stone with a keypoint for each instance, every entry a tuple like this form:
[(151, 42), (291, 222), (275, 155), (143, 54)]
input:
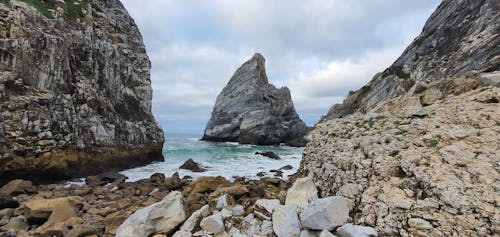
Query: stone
[(325, 213), (238, 210), (350, 230), (174, 182), (302, 192), (286, 167), (192, 166), (16, 187), (221, 202), (81, 230), (286, 221), (326, 233), (419, 223), (269, 154), (182, 233), (213, 223), (16, 223), (266, 206), (40, 210), (75, 109), (309, 233), (8, 202), (194, 220), (249, 110), (161, 217)]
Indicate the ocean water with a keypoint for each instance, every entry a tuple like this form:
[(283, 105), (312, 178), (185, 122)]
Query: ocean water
[(226, 159)]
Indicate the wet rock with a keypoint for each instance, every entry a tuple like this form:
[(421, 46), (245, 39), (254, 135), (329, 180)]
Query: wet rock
[(16, 187), (269, 154), (161, 217), (302, 192), (350, 230), (325, 214), (261, 174), (192, 166), (285, 221), (250, 110), (158, 177), (286, 167)]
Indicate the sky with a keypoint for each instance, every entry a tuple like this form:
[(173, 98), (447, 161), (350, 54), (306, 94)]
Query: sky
[(320, 49)]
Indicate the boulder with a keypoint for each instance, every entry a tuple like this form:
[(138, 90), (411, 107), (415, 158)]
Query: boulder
[(16, 187), (250, 110), (269, 154), (350, 230), (192, 166), (194, 220), (285, 221), (174, 182), (325, 213), (266, 206), (213, 223), (182, 233), (302, 192), (286, 167), (326, 233), (161, 217), (221, 202), (41, 210), (16, 223)]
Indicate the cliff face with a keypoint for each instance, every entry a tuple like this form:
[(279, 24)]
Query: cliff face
[(75, 90), (250, 110), (460, 36), (416, 149)]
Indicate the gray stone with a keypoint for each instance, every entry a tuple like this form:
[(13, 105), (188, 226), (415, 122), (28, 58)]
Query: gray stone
[(285, 221), (213, 223), (350, 230), (194, 220), (325, 214), (238, 210), (302, 192), (161, 217), (326, 233), (250, 110)]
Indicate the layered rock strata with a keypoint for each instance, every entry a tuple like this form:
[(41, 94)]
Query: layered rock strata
[(250, 110), (75, 90)]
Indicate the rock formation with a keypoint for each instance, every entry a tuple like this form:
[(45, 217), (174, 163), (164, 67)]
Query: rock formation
[(421, 159), (75, 90), (250, 110), (460, 37)]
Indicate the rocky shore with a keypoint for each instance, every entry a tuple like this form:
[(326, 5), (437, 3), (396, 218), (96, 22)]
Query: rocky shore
[(207, 206)]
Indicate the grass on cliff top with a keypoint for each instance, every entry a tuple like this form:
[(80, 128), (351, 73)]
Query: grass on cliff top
[(74, 8), (4, 2)]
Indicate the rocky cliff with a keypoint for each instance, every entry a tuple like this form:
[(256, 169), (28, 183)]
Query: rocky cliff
[(460, 37), (250, 110), (416, 149), (75, 90)]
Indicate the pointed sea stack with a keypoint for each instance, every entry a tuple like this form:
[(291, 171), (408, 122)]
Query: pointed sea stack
[(249, 110)]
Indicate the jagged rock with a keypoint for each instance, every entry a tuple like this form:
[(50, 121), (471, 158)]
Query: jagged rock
[(221, 202), (459, 37), (325, 213), (269, 154), (350, 230), (161, 217), (194, 220), (213, 223), (193, 166), (302, 192), (81, 230), (250, 110), (265, 207), (75, 91), (17, 186), (285, 221)]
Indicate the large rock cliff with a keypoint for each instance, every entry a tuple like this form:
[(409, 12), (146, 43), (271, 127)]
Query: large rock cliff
[(416, 149), (460, 36), (75, 90), (250, 110)]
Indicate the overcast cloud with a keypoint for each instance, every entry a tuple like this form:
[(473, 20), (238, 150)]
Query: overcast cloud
[(320, 49)]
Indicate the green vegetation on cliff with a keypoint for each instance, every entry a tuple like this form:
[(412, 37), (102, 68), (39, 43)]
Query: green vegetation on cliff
[(73, 8)]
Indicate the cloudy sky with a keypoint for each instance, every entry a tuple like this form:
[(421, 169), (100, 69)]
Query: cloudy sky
[(320, 49)]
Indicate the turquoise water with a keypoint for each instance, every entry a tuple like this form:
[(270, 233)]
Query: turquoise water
[(226, 159)]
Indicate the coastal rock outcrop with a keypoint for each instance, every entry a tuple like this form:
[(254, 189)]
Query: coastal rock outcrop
[(460, 38), (415, 151), (250, 110), (75, 90)]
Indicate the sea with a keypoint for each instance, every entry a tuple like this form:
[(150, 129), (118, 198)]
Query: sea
[(227, 159)]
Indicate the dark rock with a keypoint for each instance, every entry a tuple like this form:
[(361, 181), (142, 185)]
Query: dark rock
[(8, 202), (158, 177), (261, 174), (110, 177), (249, 110), (277, 173), (286, 167), (460, 37), (75, 92), (93, 181), (174, 182), (269, 154), (192, 166)]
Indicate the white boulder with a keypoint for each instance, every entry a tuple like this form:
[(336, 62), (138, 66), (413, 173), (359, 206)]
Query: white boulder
[(302, 192), (350, 230), (325, 214), (213, 223), (285, 221)]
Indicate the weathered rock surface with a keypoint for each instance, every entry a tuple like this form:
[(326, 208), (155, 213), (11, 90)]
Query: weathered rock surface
[(269, 154), (350, 230), (250, 110), (460, 36), (161, 217), (433, 175), (285, 221), (325, 214), (302, 193), (190, 164), (75, 90)]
